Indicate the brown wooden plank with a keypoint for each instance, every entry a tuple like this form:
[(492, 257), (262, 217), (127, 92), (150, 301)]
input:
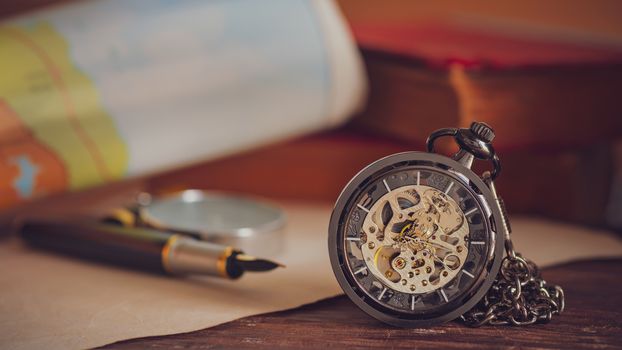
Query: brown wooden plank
[(592, 321)]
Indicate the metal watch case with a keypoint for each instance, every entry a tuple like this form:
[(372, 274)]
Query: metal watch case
[(447, 309)]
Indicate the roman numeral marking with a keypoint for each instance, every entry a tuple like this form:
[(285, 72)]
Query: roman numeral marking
[(418, 178), (363, 208), (362, 269), (471, 211), (382, 293), (468, 273), (478, 242), (386, 185), (353, 238), (449, 187), (412, 302), (444, 295)]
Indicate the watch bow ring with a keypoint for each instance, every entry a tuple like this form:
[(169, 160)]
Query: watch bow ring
[(418, 238)]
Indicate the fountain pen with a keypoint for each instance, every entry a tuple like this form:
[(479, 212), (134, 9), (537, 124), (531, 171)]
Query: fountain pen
[(140, 248)]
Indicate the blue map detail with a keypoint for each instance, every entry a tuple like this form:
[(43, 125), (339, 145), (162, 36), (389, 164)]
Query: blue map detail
[(24, 184)]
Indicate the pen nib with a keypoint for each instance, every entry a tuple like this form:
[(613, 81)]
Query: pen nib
[(250, 263)]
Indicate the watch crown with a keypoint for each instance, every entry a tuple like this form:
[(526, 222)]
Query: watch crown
[(483, 131)]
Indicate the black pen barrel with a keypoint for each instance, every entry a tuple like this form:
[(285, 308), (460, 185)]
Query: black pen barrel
[(136, 248)]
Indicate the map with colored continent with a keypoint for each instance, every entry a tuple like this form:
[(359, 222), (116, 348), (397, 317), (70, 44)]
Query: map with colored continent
[(97, 91)]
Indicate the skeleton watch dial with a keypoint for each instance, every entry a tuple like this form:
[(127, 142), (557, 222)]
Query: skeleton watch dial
[(412, 239)]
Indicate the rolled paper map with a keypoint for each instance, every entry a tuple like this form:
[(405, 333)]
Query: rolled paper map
[(96, 91)]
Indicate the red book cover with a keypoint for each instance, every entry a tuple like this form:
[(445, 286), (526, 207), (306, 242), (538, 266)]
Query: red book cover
[(441, 45)]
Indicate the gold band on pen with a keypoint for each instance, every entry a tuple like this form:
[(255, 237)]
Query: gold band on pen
[(166, 253), (222, 262), (123, 216)]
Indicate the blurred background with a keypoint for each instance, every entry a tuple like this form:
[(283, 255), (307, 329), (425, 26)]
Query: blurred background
[(288, 100)]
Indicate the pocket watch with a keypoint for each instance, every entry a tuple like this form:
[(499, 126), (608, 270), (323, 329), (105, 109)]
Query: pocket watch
[(418, 238)]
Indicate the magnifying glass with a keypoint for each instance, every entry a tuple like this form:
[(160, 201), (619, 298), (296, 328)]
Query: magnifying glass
[(254, 226)]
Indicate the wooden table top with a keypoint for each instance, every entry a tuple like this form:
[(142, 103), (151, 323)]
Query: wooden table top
[(592, 320)]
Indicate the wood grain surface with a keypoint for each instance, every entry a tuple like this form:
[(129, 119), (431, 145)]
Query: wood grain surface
[(592, 320)]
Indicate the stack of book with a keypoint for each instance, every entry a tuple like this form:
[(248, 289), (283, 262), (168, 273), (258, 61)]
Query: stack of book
[(554, 105)]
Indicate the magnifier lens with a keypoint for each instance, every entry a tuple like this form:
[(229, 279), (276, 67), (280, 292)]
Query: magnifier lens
[(246, 224)]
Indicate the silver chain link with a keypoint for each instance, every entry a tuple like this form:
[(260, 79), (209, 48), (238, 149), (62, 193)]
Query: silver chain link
[(519, 295)]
